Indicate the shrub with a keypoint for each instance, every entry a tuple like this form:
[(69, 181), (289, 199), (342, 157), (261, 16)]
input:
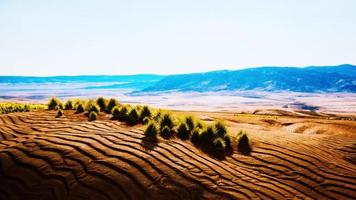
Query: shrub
[(69, 105), (102, 103), (166, 131), (59, 113), (80, 108), (146, 112), (220, 129), (133, 117), (89, 103), (167, 120), (58, 107), (183, 132), (146, 120), (93, 116), (123, 114), (53, 103), (158, 115), (151, 130), (227, 140), (243, 144), (19, 107), (200, 125), (115, 112), (94, 108), (207, 136), (195, 136), (112, 103), (219, 144), (191, 122)]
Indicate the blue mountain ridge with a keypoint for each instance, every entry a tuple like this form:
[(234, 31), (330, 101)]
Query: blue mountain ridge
[(340, 78)]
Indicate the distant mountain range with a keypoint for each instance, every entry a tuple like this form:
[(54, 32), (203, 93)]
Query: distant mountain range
[(340, 78)]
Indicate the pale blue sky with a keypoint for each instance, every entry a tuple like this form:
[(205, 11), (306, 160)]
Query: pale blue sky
[(70, 37)]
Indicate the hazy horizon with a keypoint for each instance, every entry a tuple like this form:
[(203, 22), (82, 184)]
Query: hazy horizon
[(48, 38)]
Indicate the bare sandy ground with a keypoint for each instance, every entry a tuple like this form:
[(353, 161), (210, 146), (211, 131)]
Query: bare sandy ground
[(293, 156), (237, 101)]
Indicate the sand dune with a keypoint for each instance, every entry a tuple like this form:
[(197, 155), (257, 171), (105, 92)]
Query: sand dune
[(43, 157)]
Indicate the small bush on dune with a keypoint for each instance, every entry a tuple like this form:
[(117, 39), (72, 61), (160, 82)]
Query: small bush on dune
[(207, 135), (166, 132), (158, 115), (102, 103), (93, 116), (111, 104), (146, 112), (69, 105), (146, 120), (94, 108), (53, 103), (227, 139), (115, 112), (167, 120), (133, 117), (151, 130), (80, 108), (58, 107), (123, 114), (20, 107), (220, 129), (183, 131), (59, 113), (219, 144), (191, 122), (243, 144), (195, 136), (89, 103)]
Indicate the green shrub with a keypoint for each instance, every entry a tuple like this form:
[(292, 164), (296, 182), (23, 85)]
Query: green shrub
[(219, 144), (102, 103), (220, 129), (167, 120), (58, 107), (111, 104), (59, 113), (146, 120), (123, 114), (93, 116), (89, 103), (166, 131), (195, 136), (151, 130), (20, 107), (80, 108), (158, 115), (191, 122), (69, 105), (207, 135), (227, 139), (115, 112), (183, 132), (146, 112), (133, 117), (53, 103), (243, 144), (93, 108)]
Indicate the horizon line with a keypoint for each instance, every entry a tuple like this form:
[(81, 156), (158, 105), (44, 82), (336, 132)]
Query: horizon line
[(168, 74)]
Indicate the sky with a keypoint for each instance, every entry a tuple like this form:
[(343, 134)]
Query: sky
[(87, 37)]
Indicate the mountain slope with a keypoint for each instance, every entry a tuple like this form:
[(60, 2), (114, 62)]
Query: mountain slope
[(340, 78)]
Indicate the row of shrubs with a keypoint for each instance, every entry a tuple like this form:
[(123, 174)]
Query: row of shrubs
[(20, 107), (212, 137)]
